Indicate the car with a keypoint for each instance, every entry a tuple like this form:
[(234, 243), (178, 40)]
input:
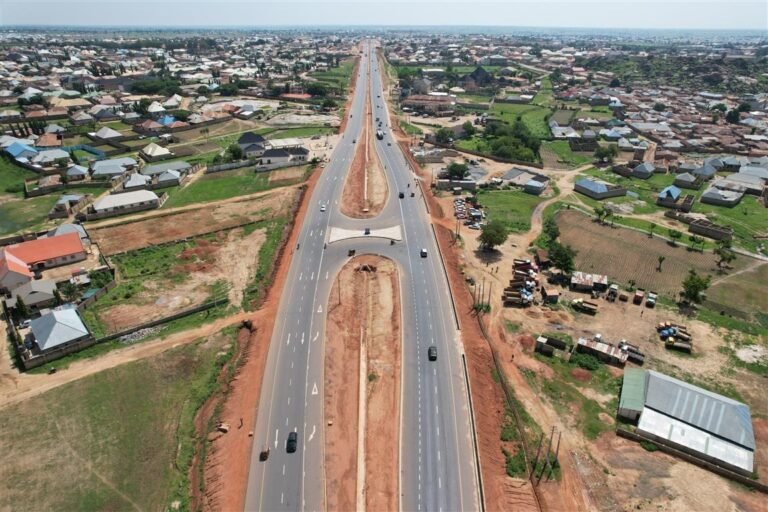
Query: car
[(432, 353), (367, 231), (25, 323), (322, 208), (423, 253), (389, 143), (354, 140), (291, 442), (401, 195), (474, 226)]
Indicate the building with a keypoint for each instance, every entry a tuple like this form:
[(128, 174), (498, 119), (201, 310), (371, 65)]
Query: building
[(687, 180), (35, 294), (153, 152), (721, 197), (179, 166), (603, 351), (118, 204), (669, 196), (584, 282), (643, 171), (58, 330), (106, 133), (708, 426), (13, 271), (598, 189), (108, 169), (49, 252)]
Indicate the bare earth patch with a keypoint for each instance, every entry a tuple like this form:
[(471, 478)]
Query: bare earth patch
[(365, 188)]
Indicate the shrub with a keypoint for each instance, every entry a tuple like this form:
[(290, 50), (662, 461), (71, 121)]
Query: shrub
[(586, 361)]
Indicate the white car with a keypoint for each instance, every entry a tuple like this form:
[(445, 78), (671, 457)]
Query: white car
[(322, 208)]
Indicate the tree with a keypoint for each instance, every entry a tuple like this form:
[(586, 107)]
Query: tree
[(469, 128), (562, 257), (659, 107), (142, 107), (202, 90), (720, 107), (21, 309), (69, 291), (317, 90), (745, 107), (615, 83), (550, 229), (694, 285), (443, 135), (457, 171), (696, 240), (494, 233), (733, 116), (235, 152), (661, 260), (606, 153), (724, 253), (675, 235), (329, 104)]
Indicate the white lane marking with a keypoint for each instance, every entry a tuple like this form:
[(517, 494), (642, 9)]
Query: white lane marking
[(438, 455), (291, 365), (290, 381), (313, 277), (314, 389), (311, 232), (316, 335), (276, 432), (312, 434), (288, 341), (439, 482), (302, 338), (282, 497), (289, 400), (326, 275), (283, 469), (300, 276), (320, 308), (286, 421)]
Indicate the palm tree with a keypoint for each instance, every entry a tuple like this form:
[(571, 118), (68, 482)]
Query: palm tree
[(661, 260)]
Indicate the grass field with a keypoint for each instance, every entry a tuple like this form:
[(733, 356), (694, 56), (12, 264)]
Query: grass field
[(222, 185), (744, 292), (336, 77), (410, 129), (564, 153), (304, 131), (545, 97), (12, 178), (121, 439), (533, 116), (563, 117), (513, 207)]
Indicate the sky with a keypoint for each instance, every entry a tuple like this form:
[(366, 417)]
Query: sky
[(680, 14)]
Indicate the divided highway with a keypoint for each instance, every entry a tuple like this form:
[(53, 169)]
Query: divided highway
[(436, 458)]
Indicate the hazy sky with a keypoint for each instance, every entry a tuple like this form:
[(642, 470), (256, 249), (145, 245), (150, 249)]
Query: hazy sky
[(711, 14)]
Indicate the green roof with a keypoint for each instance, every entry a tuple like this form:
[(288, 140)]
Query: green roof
[(633, 390)]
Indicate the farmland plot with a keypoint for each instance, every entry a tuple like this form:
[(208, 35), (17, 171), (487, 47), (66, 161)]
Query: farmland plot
[(626, 255)]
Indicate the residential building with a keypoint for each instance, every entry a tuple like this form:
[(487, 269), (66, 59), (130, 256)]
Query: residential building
[(58, 330), (117, 204), (14, 272), (35, 294), (49, 252), (599, 189)]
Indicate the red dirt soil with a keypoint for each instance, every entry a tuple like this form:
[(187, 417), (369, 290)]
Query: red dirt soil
[(581, 374), (229, 456)]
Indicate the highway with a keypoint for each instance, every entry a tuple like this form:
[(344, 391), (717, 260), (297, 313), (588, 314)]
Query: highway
[(436, 458)]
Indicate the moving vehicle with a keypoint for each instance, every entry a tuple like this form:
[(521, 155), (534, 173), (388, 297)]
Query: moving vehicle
[(379, 134), (354, 140), (432, 353), (290, 444), (401, 195), (367, 231), (322, 208), (423, 253)]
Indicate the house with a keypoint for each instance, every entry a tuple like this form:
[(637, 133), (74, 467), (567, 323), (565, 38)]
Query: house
[(13, 271), (643, 171), (598, 189), (687, 180), (669, 196), (180, 166), (48, 140), (153, 152), (749, 183), (703, 424), (117, 204), (63, 229), (58, 330), (136, 181), (107, 133), (168, 179), (252, 144), (35, 294), (720, 197), (19, 150), (706, 172), (64, 205), (155, 108), (108, 169), (534, 187), (76, 173), (275, 156), (81, 118), (50, 157), (49, 252), (298, 154)]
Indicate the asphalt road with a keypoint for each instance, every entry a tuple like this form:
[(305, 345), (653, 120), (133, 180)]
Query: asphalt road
[(437, 463)]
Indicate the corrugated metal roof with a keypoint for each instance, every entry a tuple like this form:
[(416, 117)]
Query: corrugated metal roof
[(703, 409), (695, 439), (633, 390), (58, 327)]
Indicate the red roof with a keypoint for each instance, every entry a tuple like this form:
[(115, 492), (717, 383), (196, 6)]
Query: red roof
[(11, 263), (44, 249)]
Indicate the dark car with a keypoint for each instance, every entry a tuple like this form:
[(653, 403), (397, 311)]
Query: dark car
[(367, 231), (432, 353), (402, 195), (290, 444)]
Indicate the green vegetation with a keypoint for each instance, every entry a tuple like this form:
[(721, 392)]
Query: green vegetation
[(410, 129), (534, 118), (564, 153), (99, 443), (494, 233), (511, 326), (222, 185), (303, 131), (337, 78), (516, 467), (513, 207), (12, 178), (545, 97), (163, 87), (275, 229), (26, 214)]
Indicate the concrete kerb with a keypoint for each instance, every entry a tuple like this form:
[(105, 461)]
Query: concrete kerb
[(474, 434), (445, 271), (340, 234)]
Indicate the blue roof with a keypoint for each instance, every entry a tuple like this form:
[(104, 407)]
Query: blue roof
[(592, 185), (670, 192), (17, 148), (166, 120)]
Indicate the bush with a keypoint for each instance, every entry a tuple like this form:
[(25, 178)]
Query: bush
[(649, 446), (586, 361)]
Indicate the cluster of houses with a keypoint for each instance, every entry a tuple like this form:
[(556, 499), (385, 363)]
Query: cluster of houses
[(46, 324)]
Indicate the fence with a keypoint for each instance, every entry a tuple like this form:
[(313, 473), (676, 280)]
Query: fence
[(96, 296), (230, 166), (724, 472)]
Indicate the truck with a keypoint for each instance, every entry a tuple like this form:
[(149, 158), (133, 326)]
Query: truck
[(379, 134), (650, 302), (585, 306), (639, 296), (613, 293)]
